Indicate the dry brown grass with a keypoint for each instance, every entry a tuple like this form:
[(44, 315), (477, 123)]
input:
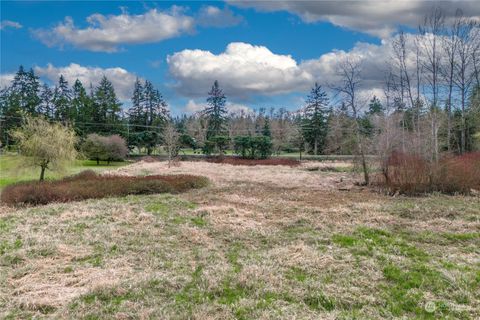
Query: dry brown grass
[(260, 242)]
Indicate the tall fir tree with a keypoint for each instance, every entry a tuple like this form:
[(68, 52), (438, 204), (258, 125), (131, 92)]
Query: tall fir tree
[(62, 98), (19, 99), (107, 108), (216, 111), (266, 131), (83, 105), (314, 124), (46, 107)]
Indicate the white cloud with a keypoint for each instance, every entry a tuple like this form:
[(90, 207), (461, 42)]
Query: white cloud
[(121, 79), (107, 33), (211, 16), (9, 24), (242, 70), (379, 18), (6, 79)]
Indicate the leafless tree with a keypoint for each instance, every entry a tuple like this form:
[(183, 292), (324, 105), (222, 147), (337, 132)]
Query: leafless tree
[(349, 72), (171, 138), (464, 73), (431, 30)]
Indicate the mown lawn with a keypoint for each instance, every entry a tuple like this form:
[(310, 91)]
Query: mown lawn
[(244, 249), (12, 169)]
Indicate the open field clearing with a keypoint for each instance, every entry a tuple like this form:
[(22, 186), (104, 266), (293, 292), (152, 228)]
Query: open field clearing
[(11, 170), (263, 242)]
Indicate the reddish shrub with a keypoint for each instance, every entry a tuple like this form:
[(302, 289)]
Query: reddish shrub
[(88, 185), (254, 162), (409, 174)]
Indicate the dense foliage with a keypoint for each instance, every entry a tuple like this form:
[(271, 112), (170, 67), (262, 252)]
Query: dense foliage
[(101, 148), (253, 147)]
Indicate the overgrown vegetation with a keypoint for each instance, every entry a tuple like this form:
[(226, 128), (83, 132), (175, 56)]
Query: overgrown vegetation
[(88, 185), (409, 174)]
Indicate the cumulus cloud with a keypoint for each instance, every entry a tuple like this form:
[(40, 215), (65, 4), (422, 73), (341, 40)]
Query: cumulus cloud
[(378, 18), (9, 24), (107, 33), (121, 79), (211, 16), (245, 70)]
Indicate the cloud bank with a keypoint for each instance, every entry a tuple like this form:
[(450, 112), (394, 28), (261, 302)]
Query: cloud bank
[(378, 18), (245, 70)]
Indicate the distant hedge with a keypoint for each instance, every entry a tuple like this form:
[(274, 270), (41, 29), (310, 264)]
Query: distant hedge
[(257, 147), (89, 185)]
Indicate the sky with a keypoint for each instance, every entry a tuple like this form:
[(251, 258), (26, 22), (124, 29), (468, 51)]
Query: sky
[(263, 53)]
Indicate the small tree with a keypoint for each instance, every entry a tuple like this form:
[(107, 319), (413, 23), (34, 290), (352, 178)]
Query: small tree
[(171, 138), (111, 148), (46, 145), (94, 147), (116, 148)]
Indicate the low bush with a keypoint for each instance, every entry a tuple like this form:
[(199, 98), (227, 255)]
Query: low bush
[(258, 147), (411, 175), (89, 185), (254, 162)]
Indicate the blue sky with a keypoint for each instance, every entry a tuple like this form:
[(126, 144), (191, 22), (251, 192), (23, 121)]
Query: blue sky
[(282, 48)]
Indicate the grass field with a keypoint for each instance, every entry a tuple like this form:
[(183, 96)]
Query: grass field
[(11, 169), (258, 243)]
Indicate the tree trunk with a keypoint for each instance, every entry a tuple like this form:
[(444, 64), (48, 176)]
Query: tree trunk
[(98, 161), (149, 151), (42, 173), (315, 146)]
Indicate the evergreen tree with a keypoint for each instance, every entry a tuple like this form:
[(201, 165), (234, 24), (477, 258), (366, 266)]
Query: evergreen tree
[(156, 116), (314, 124), (147, 116), (216, 111), (62, 101), (82, 104), (375, 106), (107, 108), (46, 107), (18, 100), (266, 128)]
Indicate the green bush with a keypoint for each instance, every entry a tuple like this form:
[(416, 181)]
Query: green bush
[(216, 145), (248, 147)]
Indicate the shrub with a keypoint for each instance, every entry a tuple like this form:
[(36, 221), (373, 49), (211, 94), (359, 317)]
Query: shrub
[(100, 148), (89, 185), (258, 147), (216, 145), (409, 174)]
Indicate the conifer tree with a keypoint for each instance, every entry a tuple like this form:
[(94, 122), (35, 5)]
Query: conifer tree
[(216, 111), (314, 124), (62, 101)]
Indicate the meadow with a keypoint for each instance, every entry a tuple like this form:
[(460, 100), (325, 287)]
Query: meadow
[(12, 170), (261, 242)]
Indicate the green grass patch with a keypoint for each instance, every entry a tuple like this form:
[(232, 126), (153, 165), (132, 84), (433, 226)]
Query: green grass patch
[(12, 169)]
